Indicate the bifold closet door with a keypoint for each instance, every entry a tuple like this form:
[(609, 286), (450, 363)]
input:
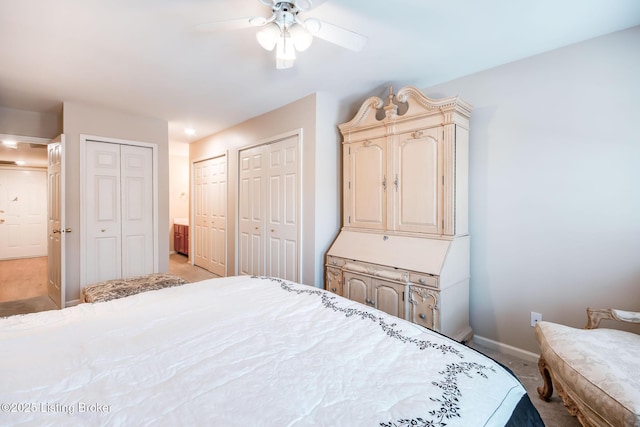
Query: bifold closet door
[(119, 211), (251, 211), (210, 212), (269, 209)]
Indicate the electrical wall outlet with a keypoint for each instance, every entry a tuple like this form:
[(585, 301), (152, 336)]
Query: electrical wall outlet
[(535, 318)]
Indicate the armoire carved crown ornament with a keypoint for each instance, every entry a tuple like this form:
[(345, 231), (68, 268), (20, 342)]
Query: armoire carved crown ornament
[(368, 112)]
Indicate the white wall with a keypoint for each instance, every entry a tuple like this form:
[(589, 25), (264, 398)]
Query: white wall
[(301, 114), (328, 173), (90, 120), (30, 123), (554, 186)]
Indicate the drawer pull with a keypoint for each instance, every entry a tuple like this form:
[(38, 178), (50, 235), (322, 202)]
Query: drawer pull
[(422, 281), (333, 289), (335, 262), (422, 316)]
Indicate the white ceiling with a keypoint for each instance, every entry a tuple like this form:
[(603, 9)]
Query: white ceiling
[(146, 57)]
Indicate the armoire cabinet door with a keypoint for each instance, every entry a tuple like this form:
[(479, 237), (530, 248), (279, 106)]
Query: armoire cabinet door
[(417, 182), (356, 287), (389, 297), (381, 294), (366, 166)]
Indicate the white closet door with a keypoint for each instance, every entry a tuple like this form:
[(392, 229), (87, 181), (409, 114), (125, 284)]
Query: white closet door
[(103, 212), (137, 210), (269, 209), (118, 211), (218, 209), (251, 211), (201, 215), (210, 231), (282, 210)]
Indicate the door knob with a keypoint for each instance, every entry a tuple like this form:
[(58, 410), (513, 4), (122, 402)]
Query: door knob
[(56, 231), (66, 230), (1, 221), (102, 230)]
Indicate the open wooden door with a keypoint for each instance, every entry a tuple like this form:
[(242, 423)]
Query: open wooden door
[(55, 223)]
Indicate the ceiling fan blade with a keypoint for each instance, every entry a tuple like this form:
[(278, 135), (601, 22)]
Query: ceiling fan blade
[(336, 35), (231, 24), (314, 3)]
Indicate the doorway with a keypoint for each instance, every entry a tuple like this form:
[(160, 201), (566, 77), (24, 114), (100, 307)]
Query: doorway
[(23, 219)]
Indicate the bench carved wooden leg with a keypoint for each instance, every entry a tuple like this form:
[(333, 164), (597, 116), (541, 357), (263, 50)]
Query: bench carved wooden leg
[(546, 390)]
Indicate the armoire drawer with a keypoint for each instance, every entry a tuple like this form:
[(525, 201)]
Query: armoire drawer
[(423, 279), (333, 261)]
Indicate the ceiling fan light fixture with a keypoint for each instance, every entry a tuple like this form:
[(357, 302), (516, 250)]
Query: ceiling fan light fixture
[(301, 37), (313, 25), (268, 36), (285, 52)]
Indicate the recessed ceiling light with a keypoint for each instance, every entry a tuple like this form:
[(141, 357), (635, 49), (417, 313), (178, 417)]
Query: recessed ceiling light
[(190, 131), (10, 143)]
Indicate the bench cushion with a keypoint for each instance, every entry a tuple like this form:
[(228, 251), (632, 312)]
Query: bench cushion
[(598, 367), (118, 288)]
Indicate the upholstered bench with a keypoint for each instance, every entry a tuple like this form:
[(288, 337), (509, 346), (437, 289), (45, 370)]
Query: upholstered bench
[(595, 371), (118, 288)]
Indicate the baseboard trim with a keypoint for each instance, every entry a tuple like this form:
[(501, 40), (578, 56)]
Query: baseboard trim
[(72, 303), (506, 349)]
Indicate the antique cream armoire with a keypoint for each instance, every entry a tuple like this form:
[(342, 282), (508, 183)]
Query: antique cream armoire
[(404, 246)]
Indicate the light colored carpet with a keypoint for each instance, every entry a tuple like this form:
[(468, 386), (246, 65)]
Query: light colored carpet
[(23, 278), (553, 413)]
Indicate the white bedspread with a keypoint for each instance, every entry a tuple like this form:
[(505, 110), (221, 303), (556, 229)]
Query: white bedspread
[(242, 351)]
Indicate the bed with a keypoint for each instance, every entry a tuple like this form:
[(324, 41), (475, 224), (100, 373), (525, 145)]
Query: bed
[(246, 351)]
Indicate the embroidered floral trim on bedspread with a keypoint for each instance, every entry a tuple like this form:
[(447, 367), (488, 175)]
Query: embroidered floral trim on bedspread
[(448, 401)]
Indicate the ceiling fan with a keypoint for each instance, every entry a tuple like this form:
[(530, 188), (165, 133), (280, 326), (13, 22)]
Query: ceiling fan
[(286, 32)]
